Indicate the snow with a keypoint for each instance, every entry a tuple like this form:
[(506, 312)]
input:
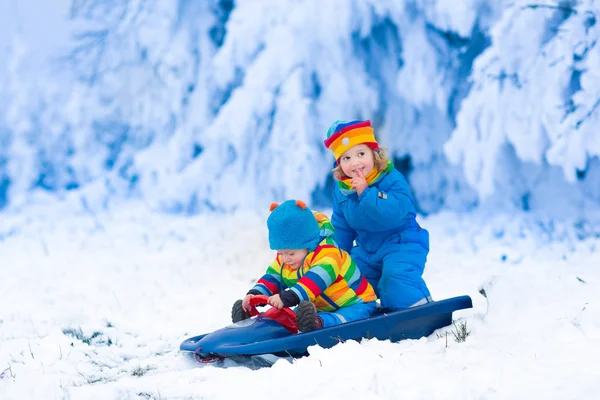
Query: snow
[(95, 306), (534, 89), (141, 143), (135, 99)]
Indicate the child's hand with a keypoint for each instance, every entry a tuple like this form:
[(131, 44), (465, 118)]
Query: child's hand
[(246, 302), (275, 301), (359, 182)]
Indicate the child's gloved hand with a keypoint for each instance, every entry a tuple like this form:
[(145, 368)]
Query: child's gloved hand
[(246, 302), (359, 182), (275, 301)]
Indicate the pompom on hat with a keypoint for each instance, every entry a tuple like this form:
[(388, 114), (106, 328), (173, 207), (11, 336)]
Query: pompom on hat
[(292, 226), (343, 135)]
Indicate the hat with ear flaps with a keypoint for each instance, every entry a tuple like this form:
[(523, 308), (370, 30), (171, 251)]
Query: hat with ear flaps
[(292, 226), (343, 135)]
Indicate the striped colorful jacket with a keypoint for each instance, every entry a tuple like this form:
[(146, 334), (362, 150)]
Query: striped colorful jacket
[(329, 277)]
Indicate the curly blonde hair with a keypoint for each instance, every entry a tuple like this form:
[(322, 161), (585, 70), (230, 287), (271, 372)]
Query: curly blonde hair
[(380, 162)]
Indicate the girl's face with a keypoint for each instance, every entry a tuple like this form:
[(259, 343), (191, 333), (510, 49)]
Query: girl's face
[(293, 258), (359, 157)]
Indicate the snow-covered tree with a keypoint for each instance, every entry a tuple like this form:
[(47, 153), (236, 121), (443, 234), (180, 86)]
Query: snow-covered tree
[(534, 101), (217, 105)]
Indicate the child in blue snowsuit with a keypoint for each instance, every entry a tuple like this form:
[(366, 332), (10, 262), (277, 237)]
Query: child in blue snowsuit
[(373, 205)]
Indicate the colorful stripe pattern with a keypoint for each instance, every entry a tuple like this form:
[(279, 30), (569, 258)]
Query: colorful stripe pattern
[(348, 134), (325, 226), (372, 177), (328, 277)]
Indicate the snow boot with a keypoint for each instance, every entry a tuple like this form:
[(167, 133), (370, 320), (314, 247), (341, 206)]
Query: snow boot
[(307, 318), (238, 313)]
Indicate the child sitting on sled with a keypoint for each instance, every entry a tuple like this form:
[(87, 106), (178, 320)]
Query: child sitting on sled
[(310, 272), (373, 205)]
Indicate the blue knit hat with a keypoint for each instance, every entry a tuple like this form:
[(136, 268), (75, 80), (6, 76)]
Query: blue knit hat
[(292, 226)]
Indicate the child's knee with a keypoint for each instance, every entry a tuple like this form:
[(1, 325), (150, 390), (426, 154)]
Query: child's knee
[(402, 291), (348, 314)]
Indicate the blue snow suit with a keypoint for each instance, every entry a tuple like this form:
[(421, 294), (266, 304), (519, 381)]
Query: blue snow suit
[(391, 248)]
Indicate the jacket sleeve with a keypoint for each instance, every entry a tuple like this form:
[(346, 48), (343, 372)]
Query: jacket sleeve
[(289, 298), (315, 281), (270, 283), (387, 207), (344, 234)]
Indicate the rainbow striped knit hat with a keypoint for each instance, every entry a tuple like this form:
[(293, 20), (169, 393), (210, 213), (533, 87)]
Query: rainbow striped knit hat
[(343, 135)]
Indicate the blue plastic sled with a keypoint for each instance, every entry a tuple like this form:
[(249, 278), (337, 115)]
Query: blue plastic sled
[(262, 335)]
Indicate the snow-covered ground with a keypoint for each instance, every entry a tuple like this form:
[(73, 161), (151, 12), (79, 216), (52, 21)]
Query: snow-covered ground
[(95, 307)]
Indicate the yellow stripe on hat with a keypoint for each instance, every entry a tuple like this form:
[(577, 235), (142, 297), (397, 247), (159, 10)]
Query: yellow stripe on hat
[(352, 138)]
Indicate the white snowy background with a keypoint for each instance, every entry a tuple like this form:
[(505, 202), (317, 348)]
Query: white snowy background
[(141, 143)]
